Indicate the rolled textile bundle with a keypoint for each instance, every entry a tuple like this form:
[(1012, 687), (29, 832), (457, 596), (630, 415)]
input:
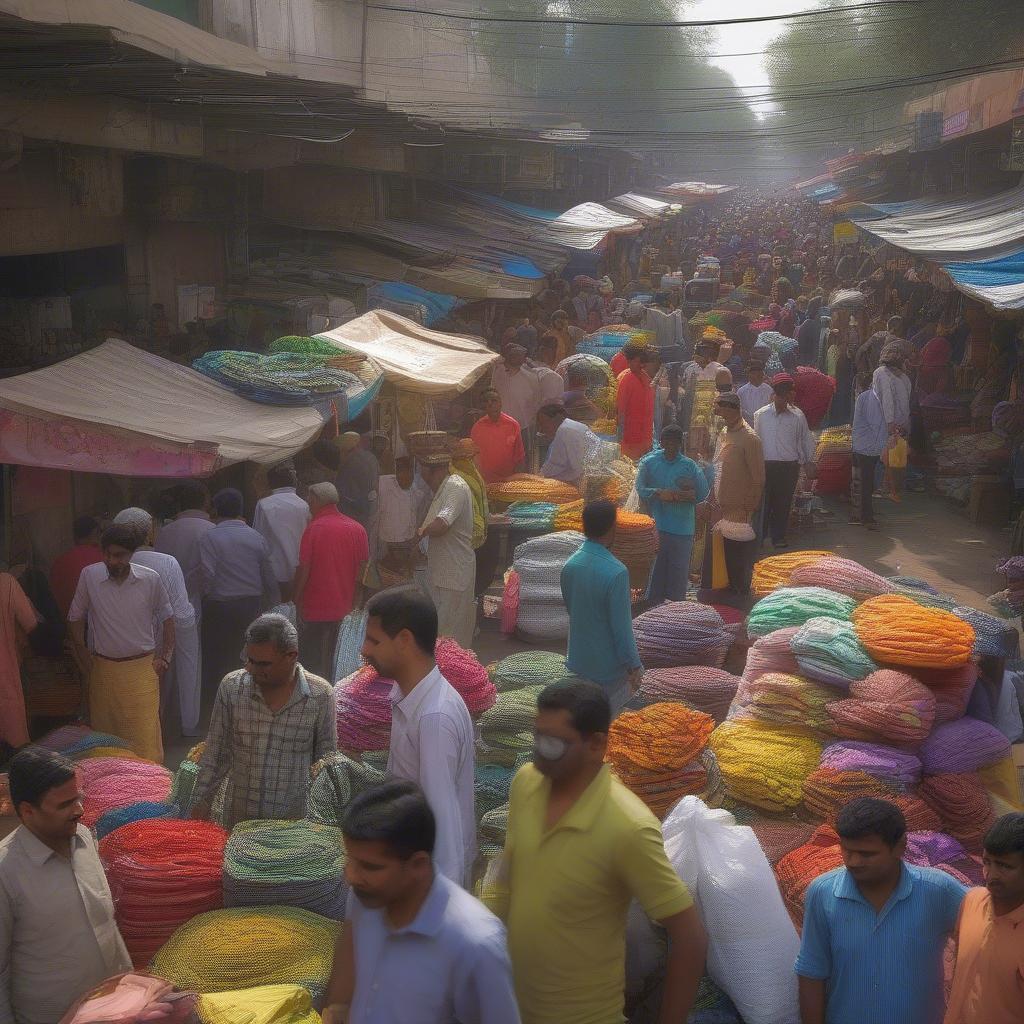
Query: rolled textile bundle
[(493, 826), (504, 748), (827, 649), (790, 700), (141, 811), (78, 741), (532, 515), (538, 564), (887, 706), (813, 394), (828, 790), (338, 778), (513, 711), (510, 603), (530, 487), (912, 583), (249, 946), (899, 631), (764, 764), (490, 786), (795, 872), (961, 802), (771, 653), (111, 782), (529, 668), (654, 752), (774, 572), (122, 752), (286, 863), (264, 1004), (780, 836), (834, 473), (963, 746), (364, 712), (993, 637), (843, 575), (835, 440), (896, 768), (463, 670), (681, 633), (920, 817), (793, 606), (569, 517), (703, 688), (635, 545), (952, 689), (161, 874)]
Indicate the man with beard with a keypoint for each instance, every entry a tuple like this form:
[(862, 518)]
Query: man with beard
[(579, 848), (431, 731)]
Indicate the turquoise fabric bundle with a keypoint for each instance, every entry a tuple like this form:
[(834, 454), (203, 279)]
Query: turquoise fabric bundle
[(140, 811), (828, 650), (532, 515), (793, 606)]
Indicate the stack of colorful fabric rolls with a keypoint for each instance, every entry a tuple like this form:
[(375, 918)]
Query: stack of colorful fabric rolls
[(827, 649), (813, 394), (538, 563), (535, 516), (793, 606), (141, 811), (703, 688), (111, 782), (529, 487), (790, 700), (777, 570), (833, 457), (364, 712), (681, 633), (336, 780)]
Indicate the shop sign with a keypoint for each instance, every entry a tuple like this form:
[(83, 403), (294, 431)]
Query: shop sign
[(844, 232), (956, 123)]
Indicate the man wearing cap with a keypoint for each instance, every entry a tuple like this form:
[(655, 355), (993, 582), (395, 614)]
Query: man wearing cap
[(756, 393), (788, 445), (451, 561), (358, 477)]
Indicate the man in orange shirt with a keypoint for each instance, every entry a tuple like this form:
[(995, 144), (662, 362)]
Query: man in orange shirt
[(500, 440), (636, 405), (988, 982)]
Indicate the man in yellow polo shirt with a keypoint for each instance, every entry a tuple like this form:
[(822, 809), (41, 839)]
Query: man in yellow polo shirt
[(579, 848)]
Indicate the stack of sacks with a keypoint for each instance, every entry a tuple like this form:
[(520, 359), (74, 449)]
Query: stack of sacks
[(288, 864), (993, 637), (532, 515), (833, 457), (951, 688), (795, 872), (681, 633), (655, 753), (961, 802), (141, 811), (111, 782), (965, 745), (161, 874), (789, 700), (241, 948), (898, 769), (764, 764), (793, 606), (529, 487), (528, 668), (813, 394), (898, 631), (771, 653), (538, 563), (635, 545), (886, 707), (827, 790), (506, 729), (828, 650), (364, 712), (700, 687), (338, 778), (775, 571), (264, 1004), (842, 575)]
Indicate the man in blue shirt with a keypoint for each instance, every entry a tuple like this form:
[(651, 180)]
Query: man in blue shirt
[(595, 588), (875, 930), (415, 947), (869, 438), (671, 484)]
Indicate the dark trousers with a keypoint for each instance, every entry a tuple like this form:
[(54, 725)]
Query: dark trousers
[(224, 626), (316, 648), (739, 564), (866, 465), (487, 556), (779, 487)]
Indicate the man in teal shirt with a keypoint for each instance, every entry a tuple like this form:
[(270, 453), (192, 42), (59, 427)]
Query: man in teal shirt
[(595, 588), (671, 484)]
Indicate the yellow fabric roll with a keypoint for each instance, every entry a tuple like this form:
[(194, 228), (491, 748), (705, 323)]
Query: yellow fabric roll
[(265, 1004), (124, 700), (1001, 780), (125, 755)]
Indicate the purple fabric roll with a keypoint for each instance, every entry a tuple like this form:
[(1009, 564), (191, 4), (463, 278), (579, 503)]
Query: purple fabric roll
[(933, 848), (680, 633), (964, 745), (896, 768)]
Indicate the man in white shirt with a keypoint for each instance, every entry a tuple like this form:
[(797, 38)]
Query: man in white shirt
[(282, 517), (124, 603), (571, 444), (756, 393), (869, 438), (431, 731), (519, 388), (403, 499), (788, 445)]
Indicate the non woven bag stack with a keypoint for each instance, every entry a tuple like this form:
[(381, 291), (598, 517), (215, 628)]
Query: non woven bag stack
[(538, 564), (681, 633)]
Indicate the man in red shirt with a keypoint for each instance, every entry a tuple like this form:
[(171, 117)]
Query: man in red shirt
[(636, 405), (333, 554), (68, 567), (500, 440)]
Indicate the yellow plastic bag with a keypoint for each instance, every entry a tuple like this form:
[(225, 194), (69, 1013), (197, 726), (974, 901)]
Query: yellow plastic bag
[(265, 1004)]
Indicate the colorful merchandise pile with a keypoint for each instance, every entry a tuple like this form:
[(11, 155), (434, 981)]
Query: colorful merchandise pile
[(793, 606), (833, 457), (264, 1004), (813, 394), (79, 741), (775, 571), (681, 633), (528, 668), (538, 563), (336, 780), (184, 781), (842, 575), (142, 811), (535, 516), (528, 487), (112, 782), (703, 688)]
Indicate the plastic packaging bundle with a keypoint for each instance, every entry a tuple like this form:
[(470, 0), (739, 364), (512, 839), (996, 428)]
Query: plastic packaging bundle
[(813, 394), (351, 634), (132, 999), (703, 688), (142, 811), (364, 712), (76, 741), (952, 689), (827, 791), (493, 826), (962, 803), (264, 1004), (513, 711), (463, 670), (288, 864), (963, 746), (245, 947), (896, 768), (834, 458), (635, 545), (899, 631), (828, 650), (111, 782), (764, 764), (778, 837), (161, 874), (529, 668), (887, 707), (795, 872), (790, 700), (532, 515), (184, 780), (538, 564), (993, 637), (529, 487), (654, 752), (284, 378), (905, 583), (771, 653), (681, 633), (842, 575), (337, 778), (774, 572), (793, 606)]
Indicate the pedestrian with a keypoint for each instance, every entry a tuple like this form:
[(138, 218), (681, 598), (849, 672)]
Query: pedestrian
[(181, 683), (671, 485), (357, 483), (56, 913), (272, 721), (238, 583), (788, 445), (181, 536), (808, 336), (519, 389), (431, 731), (595, 589), (893, 387), (333, 554), (635, 405), (500, 440), (451, 561), (403, 501), (566, 335), (571, 443), (988, 980), (869, 438), (68, 566), (282, 517), (868, 355), (409, 928), (18, 617), (129, 618), (875, 930), (756, 393), (580, 848)]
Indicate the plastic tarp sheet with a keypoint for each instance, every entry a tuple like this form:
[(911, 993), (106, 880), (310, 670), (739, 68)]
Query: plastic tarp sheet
[(998, 282), (432, 305), (415, 358), (640, 206), (154, 405)]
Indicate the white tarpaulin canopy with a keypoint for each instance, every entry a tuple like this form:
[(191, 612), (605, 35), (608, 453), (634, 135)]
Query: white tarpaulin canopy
[(413, 357), (585, 226)]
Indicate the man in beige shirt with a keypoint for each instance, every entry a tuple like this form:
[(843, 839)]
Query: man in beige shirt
[(58, 938)]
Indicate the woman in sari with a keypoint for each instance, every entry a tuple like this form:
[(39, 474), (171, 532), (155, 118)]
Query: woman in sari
[(933, 375)]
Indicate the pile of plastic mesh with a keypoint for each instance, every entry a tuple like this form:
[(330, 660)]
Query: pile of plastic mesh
[(951, 688), (834, 460), (514, 711), (79, 741), (793, 606), (264, 1004), (141, 811), (897, 630), (681, 633), (993, 637), (842, 575), (538, 563), (635, 545), (779, 836), (286, 863), (111, 782), (701, 687), (364, 712), (492, 781), (771, 653), (796, 870), (532, 515), (964, 745), (961, 802), (338, 778), (827, 790), (828, 650), (790, 700), (813, 394), (161, 874), (493, 826), (886, 707), (528, 668), (775, 571), (898, 769), (917, 814), (284, 378), (530, 487)]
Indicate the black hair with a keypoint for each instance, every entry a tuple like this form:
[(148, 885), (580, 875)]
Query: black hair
[(406, 609), (489, 391), (395, 813), (403, 462), (282, 475), (120, 535), (228, 503), (587, 704), (553, 411), (34, 771), (868, 816), (83, 528), (672, 432), (192, 494), (598, 518), (1006, 835), (633, 351)]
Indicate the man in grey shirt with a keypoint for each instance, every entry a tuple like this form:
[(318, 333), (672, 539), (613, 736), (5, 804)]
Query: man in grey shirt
[(58, 938)]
